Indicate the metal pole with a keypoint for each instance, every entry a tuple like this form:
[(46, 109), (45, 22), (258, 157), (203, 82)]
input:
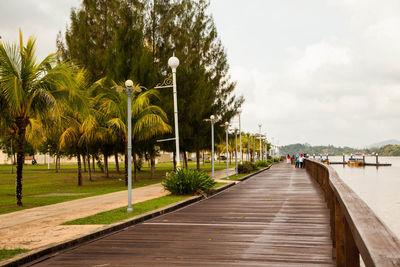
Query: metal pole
[(227, 154), (240, 141), (254, 148), (236, 158), (129, 94), (259, 156), (212, 148), (178, 162), (248, 147)]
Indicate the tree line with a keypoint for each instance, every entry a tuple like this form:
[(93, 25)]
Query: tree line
[(388, 150), (72, 103)]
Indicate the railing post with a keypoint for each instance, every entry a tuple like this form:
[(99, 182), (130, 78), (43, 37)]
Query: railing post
[(351, 250), (339, 233)]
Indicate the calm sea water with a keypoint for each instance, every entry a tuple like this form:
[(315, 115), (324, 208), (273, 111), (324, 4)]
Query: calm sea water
[(379, 187)]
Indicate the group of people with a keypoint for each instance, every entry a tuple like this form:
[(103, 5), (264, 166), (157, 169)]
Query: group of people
[(299, 160)]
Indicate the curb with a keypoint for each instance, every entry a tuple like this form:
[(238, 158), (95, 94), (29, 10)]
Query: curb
[(43, 253)]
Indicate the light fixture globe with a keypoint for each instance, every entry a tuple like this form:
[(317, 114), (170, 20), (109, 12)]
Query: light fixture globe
[(212, 117), (173, 62), (226, 124), (129, 84)]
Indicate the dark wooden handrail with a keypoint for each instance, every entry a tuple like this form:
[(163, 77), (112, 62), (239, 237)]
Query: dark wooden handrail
[(355, 228)]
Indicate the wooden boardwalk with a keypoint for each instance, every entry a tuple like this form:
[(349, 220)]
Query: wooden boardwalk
[(276, 218)]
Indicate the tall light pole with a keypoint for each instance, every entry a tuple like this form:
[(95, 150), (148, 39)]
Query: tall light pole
[(213, 120), (248, 147), (240, 138), (129, 90), (226, 125), (259, 127), (254, 147), (236, 156), (173, 62)]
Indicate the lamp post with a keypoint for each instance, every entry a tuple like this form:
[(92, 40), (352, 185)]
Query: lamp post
[(248, 147), (226, 125), (240, 138), (236, 157), (129, 90), (213, 120), (259, 127), (173, 62), (254, 147)]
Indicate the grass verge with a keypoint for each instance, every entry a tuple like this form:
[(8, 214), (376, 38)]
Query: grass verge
[(219, 184), (8, 253), (120, 214)]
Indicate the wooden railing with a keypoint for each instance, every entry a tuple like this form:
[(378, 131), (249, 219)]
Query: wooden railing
[(355, 228)]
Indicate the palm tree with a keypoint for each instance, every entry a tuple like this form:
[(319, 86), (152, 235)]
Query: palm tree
[(76, 118), (29, 90), (147, 120)]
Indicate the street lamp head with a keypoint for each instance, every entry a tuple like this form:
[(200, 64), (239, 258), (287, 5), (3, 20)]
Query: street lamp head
[(129, 84), (226, 124), (212, 117), (173, 62)]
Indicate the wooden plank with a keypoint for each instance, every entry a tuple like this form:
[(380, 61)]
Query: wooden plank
[(276, 218)]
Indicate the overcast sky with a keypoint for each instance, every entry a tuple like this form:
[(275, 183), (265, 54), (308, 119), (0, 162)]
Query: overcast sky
[(315, 71)]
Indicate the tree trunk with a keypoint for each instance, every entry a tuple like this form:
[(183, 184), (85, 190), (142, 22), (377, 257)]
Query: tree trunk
[(106, 164), (93, 162), (116, 162), (153, 166), (78, 155), (174, 160), (56, 163), (134, 167), (21, 124), (198, 159), (88, 160), (204, 160), (84, 163)]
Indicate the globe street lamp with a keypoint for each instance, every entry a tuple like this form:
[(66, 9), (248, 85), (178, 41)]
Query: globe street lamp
[(173, 62), (236, 156), (129, 89), (226, 125), (248, 147), (259, 156), (254, 147), (240, 138), (213, 120)]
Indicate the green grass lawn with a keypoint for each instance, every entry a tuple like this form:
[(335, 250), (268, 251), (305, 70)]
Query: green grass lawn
[(8, 253), (120, 214), (37, 180)]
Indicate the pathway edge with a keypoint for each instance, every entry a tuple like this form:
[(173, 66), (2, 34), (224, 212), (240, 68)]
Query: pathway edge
[(42, 252)]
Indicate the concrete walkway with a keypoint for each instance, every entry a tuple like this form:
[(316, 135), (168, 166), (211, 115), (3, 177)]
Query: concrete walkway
[(37, 227)]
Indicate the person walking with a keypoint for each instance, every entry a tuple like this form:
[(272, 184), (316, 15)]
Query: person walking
[(301, 161), (288, 158), (297, 161)]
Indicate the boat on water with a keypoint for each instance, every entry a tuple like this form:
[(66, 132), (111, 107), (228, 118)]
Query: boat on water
[(354, 162)]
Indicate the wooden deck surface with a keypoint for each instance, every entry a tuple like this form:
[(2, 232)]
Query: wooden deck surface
[(276, 218)]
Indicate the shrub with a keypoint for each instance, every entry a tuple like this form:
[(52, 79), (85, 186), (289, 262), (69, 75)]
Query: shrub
[(246, 167), (277, 159), (262, 163), (185, 182)]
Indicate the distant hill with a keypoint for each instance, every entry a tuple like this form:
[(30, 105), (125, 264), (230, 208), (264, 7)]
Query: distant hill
[(385, 143), (383, 150)]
